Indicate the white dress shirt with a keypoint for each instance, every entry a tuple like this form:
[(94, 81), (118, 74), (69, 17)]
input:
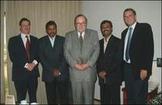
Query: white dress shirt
[(24, 39), (106, 42), (126, 41), (52, 40), (83, 33)]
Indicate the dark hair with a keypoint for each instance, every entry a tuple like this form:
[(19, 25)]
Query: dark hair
[(106, 21), (80, 15), (24, 19), (51, 23), (130, 9)]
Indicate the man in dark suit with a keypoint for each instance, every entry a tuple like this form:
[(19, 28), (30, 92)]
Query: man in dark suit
[(108, 65), (55, 69), (138, 51), (23, 54)]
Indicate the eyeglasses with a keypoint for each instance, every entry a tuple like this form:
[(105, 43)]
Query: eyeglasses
[(83, 23)]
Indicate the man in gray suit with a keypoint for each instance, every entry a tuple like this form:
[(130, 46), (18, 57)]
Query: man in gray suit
[(81, 51)]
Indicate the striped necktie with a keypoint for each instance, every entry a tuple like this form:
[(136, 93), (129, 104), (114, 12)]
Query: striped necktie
[(128, 44), (27, 47)]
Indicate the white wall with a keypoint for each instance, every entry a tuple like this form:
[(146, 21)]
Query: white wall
[(38, 12), (1, 54), (147, 11)]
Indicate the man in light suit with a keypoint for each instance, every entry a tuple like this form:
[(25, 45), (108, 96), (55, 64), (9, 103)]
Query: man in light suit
[(108, 65), (81, 52), (55, 69), (138, 51), (23, 52)]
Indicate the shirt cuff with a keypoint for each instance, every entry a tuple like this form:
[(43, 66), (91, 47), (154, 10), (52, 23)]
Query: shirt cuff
[(59, 73), (26, 65), (35, 62)]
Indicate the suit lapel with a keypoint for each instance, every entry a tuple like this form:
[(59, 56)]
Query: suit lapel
[(31, 45), (56, 42), (22, 47), (134, 32), (86, 37), (21, 43), (102, 46), (125, 33), (31, 42), (76, 39), (108, 47), (48, 42)]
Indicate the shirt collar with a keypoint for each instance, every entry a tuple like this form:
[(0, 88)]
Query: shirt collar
[(83, 33), (106, 40), (133, 26), (24, 35), (53, 38)]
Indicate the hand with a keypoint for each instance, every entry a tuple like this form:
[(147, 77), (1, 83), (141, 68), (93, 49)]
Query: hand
[(102, 74), (78, 66), (143, 74), (84, 66), (30, 66), (56, 72), (81, 67)]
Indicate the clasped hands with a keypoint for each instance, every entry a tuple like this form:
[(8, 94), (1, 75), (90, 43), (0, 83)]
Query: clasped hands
[(56, 72), (30, 66), (81, 67), (102, 74), (143, 74)]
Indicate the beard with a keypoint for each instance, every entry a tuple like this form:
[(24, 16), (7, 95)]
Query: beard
[(51, 34), (106, 32)]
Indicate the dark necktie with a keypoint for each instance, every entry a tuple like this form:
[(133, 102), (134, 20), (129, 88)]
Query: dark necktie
[(28, 48), (81, 41), (128, 44), (80, 60)]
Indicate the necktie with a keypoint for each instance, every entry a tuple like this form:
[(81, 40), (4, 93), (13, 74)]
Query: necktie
[(128, 44), (81, 41), (28, 48), (80, 60)]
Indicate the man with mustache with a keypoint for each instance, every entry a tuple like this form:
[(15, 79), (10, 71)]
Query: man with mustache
[(55, 71), (108, 65)]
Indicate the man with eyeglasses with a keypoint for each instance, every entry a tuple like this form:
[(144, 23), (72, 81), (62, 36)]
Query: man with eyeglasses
[(81, 52)]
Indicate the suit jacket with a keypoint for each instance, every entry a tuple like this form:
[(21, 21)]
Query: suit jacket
[(90, 52), (141, 48), (110, 61), (18, 58), (52, 58)]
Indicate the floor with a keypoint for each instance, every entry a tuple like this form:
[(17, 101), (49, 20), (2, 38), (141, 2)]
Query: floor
[(97, 102)]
